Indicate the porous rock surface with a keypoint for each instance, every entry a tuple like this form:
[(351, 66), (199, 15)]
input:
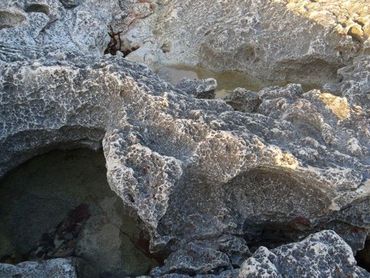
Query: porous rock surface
[(204, 179), (209, 184), (312, 257), (57, 268), (277, 40)]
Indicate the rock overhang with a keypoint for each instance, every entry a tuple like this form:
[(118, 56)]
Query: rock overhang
[(164, 148)]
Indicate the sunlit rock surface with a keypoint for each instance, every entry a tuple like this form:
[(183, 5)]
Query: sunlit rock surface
[(210, 184), (195, 171), (276, 40), (312, 257)]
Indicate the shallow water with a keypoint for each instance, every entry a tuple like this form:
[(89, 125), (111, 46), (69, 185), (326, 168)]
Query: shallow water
[(227, 81), (39, 195)]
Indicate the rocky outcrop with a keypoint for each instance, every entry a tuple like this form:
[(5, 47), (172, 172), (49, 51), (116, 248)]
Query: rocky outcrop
[(210, 184), (198, 88), (201, 176), (312, 257), (243, 100), (58, 268), (276, 40)]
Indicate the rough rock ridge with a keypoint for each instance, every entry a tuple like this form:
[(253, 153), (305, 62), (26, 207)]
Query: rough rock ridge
[(277, 40), (201, 176), (312, 257), (210, 184), (44, 269)]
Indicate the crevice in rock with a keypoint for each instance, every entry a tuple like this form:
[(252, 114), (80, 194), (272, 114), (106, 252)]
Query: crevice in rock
[(59, 205), (37, 8), (363, 256), (271, 235), (10, 19), (116, 44)]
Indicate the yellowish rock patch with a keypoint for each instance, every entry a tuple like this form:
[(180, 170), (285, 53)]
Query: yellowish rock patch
[(338, 105)]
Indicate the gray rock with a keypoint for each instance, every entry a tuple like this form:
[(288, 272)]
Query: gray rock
[(194, 170), (243, 100), (68, 4), (198, 88), (322, 254), (354, 84), (194, 259), (36, 28), (291, 41), (201, 176), (56, 268)]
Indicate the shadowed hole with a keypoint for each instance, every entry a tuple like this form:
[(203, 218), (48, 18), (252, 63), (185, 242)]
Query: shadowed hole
[(363, 256), (38, 8), (60, 205)]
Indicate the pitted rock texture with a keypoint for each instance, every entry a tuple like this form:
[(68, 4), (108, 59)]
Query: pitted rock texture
[(243, 100), (29, 27), (322, 254), (276, 40), (57, 268), (354, 84), (210, 184), (198, 88), (205, 180)]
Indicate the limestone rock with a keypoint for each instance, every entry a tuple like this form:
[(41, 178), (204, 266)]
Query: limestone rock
[(194, 170), (70, 3), (58, 268), (43, 26), (243, 100), (277, 40), (354, 84), (198, 88), (321, 254), (204, 179)]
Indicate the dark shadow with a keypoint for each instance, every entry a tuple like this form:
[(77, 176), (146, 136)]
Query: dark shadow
[(37, 8), (60, 205), (363, 256)]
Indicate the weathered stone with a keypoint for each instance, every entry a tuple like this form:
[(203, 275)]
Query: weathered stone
[(198, 88), (58, 268), (354, 85), (68, 4), (10, 18), (40, 27), (201, 177), (195, 170), (194, 259), (276, 40), (321, 254), (243, 100)]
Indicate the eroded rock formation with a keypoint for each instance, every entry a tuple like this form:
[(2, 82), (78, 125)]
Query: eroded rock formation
[(210, 184), (277, 40)]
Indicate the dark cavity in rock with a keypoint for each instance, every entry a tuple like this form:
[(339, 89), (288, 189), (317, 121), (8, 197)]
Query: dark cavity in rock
[(60, 205), (37, 8), (363, 256), (115, 44), (70, 4)]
